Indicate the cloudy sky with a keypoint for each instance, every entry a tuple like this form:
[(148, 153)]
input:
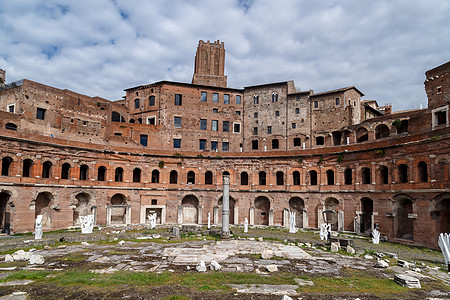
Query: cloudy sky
[(101, 47)]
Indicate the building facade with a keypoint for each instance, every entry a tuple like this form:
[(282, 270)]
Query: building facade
[(165, 147)]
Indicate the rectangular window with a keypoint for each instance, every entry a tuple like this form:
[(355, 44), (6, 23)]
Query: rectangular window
[(204, 96), (236, 127), (269, 129), (238, 113), (214, 125), (151, 101), (226, 99), (225, 146), (40, 113), (298, 98), (238, 99), (151, 120), (177, 122), (255, 115), (213, 145), (136, 103), (144, 140), (12, 108), (338, 101), (297, 111), (297, 142), (178, 99), (215, 111), (177, 143), (277, 113), (294, 125), (202, 145), (255, 130), (215, 98), (203, 124), (226, 126)]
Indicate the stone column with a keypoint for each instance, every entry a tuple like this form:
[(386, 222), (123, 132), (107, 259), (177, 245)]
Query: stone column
[(305, 219), (236, 215), (252, 215), (271, 217), (215, 215), (128, 214), (108, 215), (226, 207), (286, 217), (180, 214), (319, 218), (200, 215), (340, 220)]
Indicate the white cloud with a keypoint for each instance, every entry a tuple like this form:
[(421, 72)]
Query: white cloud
[(102, 47)]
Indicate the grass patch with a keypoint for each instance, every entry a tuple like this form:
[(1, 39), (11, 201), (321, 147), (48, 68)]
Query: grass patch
[(75, 257), (26, 275), (177, 297)]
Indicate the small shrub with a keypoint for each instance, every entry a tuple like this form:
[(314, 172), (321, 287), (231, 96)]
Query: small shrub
[(161, 164), (340, 158)]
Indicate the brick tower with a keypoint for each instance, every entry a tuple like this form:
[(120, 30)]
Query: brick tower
[(210, 64), (2, 76)]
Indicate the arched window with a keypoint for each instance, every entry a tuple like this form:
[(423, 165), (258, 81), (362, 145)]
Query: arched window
[(422, 171), (11, 126), (116, 117), (384, 175), (26, 169), (296, 177), (330, 177), (101, 173), (365, 176), (84, 172), (118, 176), (274, 97), (155, 176), (136, 103), (382, 131), (140, 120), (208, 177), (65, 171), (255, 99), (312, 177), (151, 100), (403, 173), (244, 178), (275, 144), (46, 169), (132, 121), (262, 178), (137, 175), (362, 135), (316, 104), (6, 164), (280, 178), (191, 177), (348, 176), (173, 177)]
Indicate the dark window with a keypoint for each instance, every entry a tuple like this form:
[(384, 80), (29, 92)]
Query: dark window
[(274, 97), (118, 175), (275, 144), (294, 125), (27, 165), (215, 98), (204, 97), (403, 127), (297, 98), (226, 126), (11, 108), (191, 177), (236, 127), (203, 124), (255, 145), (238, 113), (144, 140), (330, 177), (11, 126), (215, 111), (316, 104), (255, 99), (136, 103), (269, 129), (422, 171), (177, 143), (244, 178), (101, 173), (226, 99), (280, 178), (140, 120), (208, 177), (338, 101), (6, 164), (178, 99), (46, 169), (348, 177), (173, 177), (154, 202), (116, 117), (296, 177), (214, 145), (384, 175), (277, 113), (118, 133), (365, 176), (202, 145), (320, 140), (313, 177), (225, 146), (262, 178), (297, 142), (297, 111), (403, 173), (151, 101), (255, 115), (84, 172), (40, 113), (155, 176), (132, 121), (137, 175), (215, 125), (238, 99), (441, 117), (177, 122), (255, 130)]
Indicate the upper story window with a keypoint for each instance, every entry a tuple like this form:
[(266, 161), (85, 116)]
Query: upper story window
[(297, 98), (215, 125), (236, 127), (151, 120), (297, 111), (274, 97), (177, 143), (143, 140), (177, 122), (202, 145), (215, 111), (40, 113), (277, 113), (269, 129), (214, 145), (226, 99), (316, 104), (439, 89), (238, 113), (238, 99), (294, 125), (151, 100), (215, 98), (203, 124), (204, 96), (255, 99), (136, 103), (338, 101), (178, 99), (226, 126), (225, 146), (12, 108), (255, 130), (255, 115)]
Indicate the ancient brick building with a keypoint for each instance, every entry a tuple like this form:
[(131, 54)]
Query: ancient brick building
[(164, 148)]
